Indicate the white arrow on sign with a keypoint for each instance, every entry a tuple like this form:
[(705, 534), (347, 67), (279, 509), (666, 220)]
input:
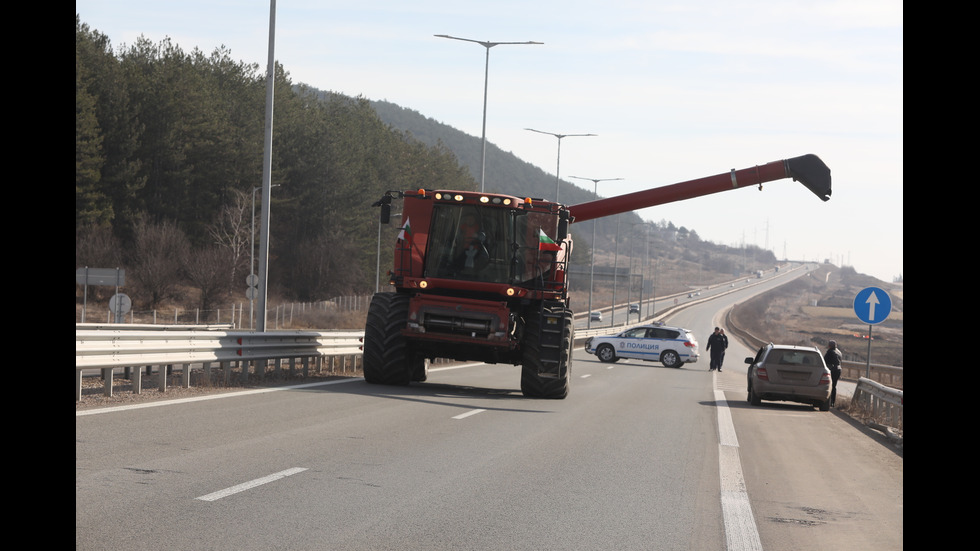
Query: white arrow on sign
[(872, 302)]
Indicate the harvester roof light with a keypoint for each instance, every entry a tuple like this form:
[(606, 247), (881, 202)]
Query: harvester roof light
[(527, 200), (458, 197), (484, 199), (422, 192)]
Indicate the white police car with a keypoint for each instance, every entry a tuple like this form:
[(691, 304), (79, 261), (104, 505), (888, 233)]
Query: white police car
[(671, 346)]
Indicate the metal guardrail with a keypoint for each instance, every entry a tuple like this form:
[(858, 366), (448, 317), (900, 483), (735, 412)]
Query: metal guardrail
[(881, 402), (120, 346)]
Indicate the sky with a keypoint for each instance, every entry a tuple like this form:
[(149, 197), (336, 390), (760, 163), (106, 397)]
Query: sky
[(674, 90)]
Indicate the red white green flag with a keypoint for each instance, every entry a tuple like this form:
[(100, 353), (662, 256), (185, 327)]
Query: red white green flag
[(406, 231), (545, 243)]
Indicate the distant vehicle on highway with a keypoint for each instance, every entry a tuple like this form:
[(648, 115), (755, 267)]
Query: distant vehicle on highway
[(790, 374), (671, 346), (595, 316), (634, 309)]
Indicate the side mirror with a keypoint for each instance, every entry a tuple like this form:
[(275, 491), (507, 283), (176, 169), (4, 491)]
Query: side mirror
[(749, 360), (562, 228)]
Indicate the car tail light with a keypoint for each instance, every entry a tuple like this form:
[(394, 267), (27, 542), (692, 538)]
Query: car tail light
[(762, 374), (689, 344), (825, 379)]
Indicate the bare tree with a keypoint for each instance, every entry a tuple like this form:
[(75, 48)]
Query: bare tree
[(207, 269), (158, 256), (231, 231)]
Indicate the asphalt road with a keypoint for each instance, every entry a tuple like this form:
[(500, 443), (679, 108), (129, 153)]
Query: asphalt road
[(637, 457)]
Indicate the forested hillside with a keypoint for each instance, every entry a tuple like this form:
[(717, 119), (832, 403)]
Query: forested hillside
[(169, 150)]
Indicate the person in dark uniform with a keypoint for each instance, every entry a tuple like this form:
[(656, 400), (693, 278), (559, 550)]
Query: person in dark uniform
[(833, 358), (717, 343)]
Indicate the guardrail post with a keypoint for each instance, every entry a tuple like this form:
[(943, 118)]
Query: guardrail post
[(107, 378), (137, 380), (187, 375)]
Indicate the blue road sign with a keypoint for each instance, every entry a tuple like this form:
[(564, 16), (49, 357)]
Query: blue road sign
[(872, 305)]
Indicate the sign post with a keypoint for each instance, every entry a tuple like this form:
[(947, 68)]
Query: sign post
[(872, 306)]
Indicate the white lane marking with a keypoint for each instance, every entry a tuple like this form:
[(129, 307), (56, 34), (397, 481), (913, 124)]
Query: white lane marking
[(250, 484), (586, 376), (468, 413), (82, 412), (741, 532)]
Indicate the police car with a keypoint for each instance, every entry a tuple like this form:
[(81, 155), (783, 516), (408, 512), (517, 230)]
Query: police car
[(671, 346)]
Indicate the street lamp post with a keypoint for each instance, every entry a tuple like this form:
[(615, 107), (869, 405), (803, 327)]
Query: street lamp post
[(251, 262), (595, 192), (486, 79), (558, 167), (629, 291)]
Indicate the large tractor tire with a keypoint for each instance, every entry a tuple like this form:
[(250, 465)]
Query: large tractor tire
[(547, 356), (388, 359)]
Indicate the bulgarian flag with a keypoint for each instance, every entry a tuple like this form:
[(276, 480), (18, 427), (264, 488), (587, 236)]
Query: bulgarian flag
[(406, 231), (545, 243)]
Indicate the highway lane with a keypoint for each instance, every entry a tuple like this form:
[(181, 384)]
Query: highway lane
[(631, 460), (814, 480), (399, 468)]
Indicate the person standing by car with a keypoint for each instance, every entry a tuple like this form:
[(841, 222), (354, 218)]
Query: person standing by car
[(833, 359), (717, 343)]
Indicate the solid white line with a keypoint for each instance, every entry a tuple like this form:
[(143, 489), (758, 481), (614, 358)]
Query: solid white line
[(82, 412), (251, 484), (468, 413), (741, 532)]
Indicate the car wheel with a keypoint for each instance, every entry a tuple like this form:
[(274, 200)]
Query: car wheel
[(671, 359), (754, 398), (606, 353), (825, 405)]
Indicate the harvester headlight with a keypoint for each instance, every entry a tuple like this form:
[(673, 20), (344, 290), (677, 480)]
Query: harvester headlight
[(510, 291), (423, 284)]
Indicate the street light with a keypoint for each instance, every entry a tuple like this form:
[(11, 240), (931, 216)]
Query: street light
[(251, 262), (630, 288), (486, 78), (557, 168), (595, 191)]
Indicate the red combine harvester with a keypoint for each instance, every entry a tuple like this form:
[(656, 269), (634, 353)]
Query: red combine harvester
[(481, 276)]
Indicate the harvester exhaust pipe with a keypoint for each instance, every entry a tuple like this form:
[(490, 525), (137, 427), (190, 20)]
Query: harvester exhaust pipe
[(807, 169)]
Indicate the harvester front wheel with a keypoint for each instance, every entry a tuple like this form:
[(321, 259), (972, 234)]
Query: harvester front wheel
[(547, 360), (387, 354)]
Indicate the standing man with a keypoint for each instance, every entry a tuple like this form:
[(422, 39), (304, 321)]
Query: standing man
[(717, 343), (833, 359)]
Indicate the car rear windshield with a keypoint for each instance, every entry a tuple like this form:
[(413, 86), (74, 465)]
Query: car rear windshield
[(793, 357)]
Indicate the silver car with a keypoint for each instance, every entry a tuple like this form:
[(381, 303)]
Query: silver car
[(789, 373)]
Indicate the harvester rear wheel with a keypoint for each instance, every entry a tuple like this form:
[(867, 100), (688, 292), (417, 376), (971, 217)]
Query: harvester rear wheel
[(387, 354)]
